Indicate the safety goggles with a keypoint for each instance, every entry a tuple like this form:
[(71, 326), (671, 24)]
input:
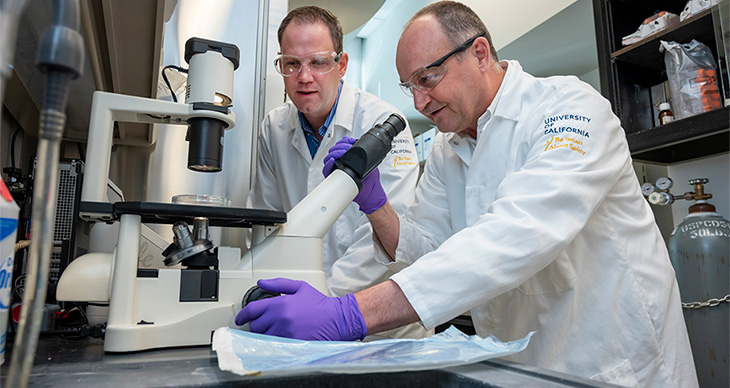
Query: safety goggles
[(320, 63), (426, 78)]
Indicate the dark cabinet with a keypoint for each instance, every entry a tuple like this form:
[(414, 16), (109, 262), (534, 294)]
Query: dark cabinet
[(630, 76)]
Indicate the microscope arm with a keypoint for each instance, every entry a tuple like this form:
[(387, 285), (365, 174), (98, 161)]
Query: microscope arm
[(316, 213), (108, 108), (296, 244)]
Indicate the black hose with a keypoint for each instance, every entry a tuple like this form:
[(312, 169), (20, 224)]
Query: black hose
[(12, 146), (65, 14), (61, 57), (57, 89)]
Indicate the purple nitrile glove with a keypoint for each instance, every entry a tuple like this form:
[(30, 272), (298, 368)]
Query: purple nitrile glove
[(371, 196), (303, 313)]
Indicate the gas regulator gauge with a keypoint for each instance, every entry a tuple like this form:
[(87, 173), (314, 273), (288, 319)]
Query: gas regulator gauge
[(647, 188), (660, 198), (664, 183)]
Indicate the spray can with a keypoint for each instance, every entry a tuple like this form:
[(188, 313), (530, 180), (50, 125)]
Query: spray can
[(8, 231)]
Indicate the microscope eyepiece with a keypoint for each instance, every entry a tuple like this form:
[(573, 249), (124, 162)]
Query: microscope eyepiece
[(372, 147), (210, 87)]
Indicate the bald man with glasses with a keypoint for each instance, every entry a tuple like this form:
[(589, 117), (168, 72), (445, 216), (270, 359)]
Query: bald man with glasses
[(528, 214), (295, 137)]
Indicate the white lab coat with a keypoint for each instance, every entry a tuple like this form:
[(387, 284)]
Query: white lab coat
[(286, 173), (557, 240)]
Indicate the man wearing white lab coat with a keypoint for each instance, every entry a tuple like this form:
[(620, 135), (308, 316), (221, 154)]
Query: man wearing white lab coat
[(528, 214), (289, 167)]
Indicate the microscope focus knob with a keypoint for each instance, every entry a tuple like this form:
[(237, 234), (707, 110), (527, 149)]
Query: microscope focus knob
[(256, 293)]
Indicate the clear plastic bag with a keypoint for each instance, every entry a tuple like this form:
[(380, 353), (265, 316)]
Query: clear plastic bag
[(651, 25), (246, 353), (693, 7), (692, 75)]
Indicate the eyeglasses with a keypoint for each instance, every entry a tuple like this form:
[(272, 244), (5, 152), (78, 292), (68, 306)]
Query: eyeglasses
[(426, 78), (320, 63)]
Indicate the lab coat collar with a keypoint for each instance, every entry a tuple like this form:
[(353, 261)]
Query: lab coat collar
[(345, 109), (296, 134), (506, 103)]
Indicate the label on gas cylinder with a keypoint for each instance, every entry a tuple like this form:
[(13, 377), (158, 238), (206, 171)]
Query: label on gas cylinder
[(706, 228)]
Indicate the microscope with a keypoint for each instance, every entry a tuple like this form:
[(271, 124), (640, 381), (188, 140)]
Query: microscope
[(203, 286)]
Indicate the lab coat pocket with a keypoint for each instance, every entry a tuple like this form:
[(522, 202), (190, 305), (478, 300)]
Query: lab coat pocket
[(622, 375), (557, 277)]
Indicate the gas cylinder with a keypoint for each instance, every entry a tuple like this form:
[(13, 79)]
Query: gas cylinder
[(699, 248)]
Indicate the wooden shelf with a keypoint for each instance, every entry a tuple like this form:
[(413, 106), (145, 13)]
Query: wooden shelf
[(692, 137), (646, 52), (629, 74), (653, 5), (685, 151)]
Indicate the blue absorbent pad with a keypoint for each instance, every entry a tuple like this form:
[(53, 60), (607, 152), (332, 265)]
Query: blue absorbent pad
[(246, 353)]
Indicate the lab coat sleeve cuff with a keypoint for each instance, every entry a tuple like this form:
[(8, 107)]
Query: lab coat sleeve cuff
[(411, 245), (382, 257), (416, 300)]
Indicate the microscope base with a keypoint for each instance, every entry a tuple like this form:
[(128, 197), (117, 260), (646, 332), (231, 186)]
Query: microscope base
[(161, 320)]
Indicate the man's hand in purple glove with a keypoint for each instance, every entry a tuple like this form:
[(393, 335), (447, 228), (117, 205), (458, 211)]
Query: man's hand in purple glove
[(371, 196), (303, 313)]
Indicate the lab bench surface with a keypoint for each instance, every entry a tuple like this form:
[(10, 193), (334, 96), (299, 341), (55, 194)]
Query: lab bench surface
[(63, 362)]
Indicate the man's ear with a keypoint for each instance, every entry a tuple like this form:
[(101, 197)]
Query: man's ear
[(342, 65), (483, 54)]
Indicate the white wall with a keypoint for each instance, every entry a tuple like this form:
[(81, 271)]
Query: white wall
[(715, 169), (353, 47), (379, 75), (509, 20), (274, 81), (593, 78), (376, 52), (552, 49)]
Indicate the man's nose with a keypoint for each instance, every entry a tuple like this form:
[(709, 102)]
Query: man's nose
[(420, 99), (305, 74)]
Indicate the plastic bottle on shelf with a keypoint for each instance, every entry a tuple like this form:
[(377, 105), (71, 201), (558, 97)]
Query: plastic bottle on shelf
[(665, 113)]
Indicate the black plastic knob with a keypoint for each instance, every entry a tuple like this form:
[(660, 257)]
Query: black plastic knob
[(256, 293)]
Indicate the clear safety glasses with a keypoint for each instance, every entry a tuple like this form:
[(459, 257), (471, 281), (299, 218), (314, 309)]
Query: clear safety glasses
[(320, 63), (426, 78)]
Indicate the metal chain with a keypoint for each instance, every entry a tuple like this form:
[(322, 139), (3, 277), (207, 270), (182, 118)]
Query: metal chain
[(710, 303)]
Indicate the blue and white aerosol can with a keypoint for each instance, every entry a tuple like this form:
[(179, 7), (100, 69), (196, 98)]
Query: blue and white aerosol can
[(8, 231)]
